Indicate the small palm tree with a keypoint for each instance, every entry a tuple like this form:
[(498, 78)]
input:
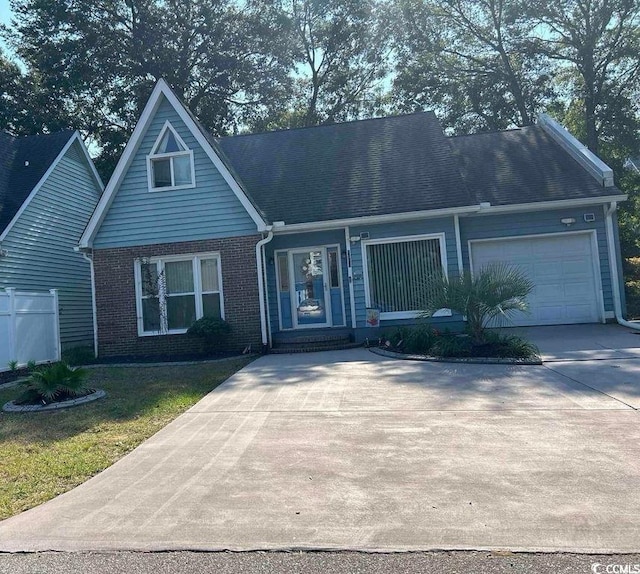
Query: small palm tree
[(53, 382), (492, 295)]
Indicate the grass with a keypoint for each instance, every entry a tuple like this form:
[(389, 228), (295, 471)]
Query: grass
[(632, 286), (43, 455)]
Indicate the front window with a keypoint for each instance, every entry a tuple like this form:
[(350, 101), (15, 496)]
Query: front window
[(175, 291), (170, 165), (397, 272)]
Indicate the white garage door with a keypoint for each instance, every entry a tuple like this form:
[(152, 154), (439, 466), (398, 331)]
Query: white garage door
[(562, 270)]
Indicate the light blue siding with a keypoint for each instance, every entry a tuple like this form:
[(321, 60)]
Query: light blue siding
[(301, 240), (541, 222), (40, 246), (391, 230), (140, 217)]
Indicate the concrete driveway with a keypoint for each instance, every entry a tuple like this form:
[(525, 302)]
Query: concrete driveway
[(350, 450)]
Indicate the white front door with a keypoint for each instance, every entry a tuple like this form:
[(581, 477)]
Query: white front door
[(563, 269), (310, 296)]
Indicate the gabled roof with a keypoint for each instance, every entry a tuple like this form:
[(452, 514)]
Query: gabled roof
[(524, 165), (162, 90), (23, 163), (354, 169)]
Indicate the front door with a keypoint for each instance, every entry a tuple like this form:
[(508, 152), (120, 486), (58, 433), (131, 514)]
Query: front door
[(310, 299)]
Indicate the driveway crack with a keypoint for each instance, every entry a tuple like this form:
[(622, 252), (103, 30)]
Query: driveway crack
[(589, 386)]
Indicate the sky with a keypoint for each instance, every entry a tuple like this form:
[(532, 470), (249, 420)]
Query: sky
[(5, 16)]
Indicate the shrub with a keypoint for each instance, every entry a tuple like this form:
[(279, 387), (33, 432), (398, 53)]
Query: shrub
[(214, 331), (491, 295), (53, 383), (452, 346), (506, 346), (420, 340)]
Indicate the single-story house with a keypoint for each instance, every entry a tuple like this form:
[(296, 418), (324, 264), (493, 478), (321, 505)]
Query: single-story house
[(301, 233), (49, 188)]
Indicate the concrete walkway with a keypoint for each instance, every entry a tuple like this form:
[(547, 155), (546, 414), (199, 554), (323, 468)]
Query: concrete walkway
[(349, 450)]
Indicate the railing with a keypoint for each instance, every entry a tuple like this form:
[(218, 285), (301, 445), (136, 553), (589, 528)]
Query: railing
[(29, 327)]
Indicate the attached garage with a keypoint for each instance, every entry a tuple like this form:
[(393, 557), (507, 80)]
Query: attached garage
[(564, 269)]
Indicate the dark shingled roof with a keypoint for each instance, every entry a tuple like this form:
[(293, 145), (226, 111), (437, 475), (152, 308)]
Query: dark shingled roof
[(369, 167), (17, 180), (525, 165)]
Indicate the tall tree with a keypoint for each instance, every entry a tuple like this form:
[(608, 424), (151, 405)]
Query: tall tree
[(470, 61), (596, 43), (103, 57), (339, 53)]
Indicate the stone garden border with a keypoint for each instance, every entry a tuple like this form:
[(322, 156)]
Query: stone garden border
[(11, 407), (468, 360)]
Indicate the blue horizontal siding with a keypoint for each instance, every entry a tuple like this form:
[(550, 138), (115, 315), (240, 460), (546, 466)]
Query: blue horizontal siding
[(40, 246), (140, 217), (538, 223), (391, 230)]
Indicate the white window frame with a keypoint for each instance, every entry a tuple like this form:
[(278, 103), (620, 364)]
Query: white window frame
[(157, 156), (198, 292), (401, 239)]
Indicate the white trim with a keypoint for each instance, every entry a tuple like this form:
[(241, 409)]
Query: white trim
[(195, 258), (74, 137), (595, 257), (583, 155), (168, 155), (56, 323), (441, 237), (456, 225), (446, 212), (371, 219), (550, 205), (352, 295), (161, 89)]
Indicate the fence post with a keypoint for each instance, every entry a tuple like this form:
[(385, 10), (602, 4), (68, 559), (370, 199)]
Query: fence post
[(11, 291), (56, 324)]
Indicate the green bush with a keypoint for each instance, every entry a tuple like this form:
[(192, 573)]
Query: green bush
[(452, 346), (506, 346), (214, 331), (420, 340), (53, 383)]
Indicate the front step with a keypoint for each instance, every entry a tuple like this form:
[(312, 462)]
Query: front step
[(313, 343)]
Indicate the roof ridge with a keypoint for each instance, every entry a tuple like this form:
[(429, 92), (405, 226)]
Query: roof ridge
[(333, 125)]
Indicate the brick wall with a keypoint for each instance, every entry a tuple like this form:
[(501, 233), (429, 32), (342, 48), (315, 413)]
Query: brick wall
[(116, 298)]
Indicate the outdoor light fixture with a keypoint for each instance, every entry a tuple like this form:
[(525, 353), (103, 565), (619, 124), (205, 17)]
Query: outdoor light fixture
[(568, 221)]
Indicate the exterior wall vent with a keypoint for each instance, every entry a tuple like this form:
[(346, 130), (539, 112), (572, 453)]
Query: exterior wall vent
[(591, 162)]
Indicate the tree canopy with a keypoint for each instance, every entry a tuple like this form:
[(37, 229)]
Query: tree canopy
[(256, 65)]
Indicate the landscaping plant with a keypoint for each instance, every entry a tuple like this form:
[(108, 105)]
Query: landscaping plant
[(53, 383), (214, 331), (489, 297)]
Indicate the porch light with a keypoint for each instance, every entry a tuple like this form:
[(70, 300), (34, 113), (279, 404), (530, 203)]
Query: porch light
[(568, 221)]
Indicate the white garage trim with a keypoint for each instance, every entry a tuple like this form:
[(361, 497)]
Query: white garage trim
[(595, 259)]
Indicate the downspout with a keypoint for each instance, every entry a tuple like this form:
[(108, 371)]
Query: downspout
[(613, 264), (94, 306), (352, 296), (261, 286)]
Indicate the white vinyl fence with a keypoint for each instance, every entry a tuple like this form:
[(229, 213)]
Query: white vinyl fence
[(29, 327)]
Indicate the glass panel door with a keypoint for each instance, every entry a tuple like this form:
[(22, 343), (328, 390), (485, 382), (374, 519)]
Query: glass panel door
[(309, 294)]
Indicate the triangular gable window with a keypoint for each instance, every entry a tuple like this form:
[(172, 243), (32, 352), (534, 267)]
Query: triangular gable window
[(170, 165)]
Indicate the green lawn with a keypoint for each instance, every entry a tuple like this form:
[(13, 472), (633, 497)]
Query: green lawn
[(43, 455)]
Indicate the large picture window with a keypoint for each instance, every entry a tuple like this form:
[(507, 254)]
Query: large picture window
[(170, 164), (397, 271), (172, 292)]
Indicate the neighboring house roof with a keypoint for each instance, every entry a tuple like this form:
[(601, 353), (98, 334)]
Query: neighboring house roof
[(352, 169), (633, 163), (17, 178), (525, 165)]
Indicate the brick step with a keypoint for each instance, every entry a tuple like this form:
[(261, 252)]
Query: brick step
[(313, 347), (303, 339)]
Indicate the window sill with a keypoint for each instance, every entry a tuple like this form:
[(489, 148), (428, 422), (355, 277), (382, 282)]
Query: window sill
[(171, 188), (412, 314), (159, 334)]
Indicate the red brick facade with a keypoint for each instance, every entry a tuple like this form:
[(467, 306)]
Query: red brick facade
[(116, 297)]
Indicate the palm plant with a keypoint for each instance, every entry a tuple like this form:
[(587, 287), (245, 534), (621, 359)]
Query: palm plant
[(54, 382), (491, 296)]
